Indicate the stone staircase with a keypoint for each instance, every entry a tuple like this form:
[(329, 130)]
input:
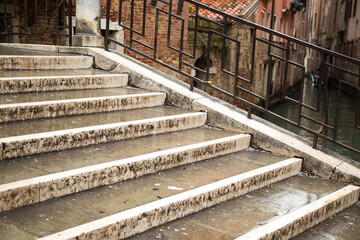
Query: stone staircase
[(84, 156)]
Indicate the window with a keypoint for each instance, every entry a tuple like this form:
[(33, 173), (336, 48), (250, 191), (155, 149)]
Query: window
[(263, 22), (275, 26), (281, 27), (268, 23)]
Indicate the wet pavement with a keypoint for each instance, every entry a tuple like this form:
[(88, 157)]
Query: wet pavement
[(62, 213), (43, 164), (26, 52), (64, 95), (234, 218), (342, 226), (51, 73), (70, 122)]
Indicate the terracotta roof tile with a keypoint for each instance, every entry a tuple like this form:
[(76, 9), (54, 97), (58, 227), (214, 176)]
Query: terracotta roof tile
[(232, 7)]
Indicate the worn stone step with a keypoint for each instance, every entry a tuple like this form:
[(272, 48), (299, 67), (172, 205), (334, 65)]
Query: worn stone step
[(341, 226), (50, 163), (296, 222), (25, 106), (45, 62), (42, 188), (55, 80), (47, 135), (236, 217), (71, 211)]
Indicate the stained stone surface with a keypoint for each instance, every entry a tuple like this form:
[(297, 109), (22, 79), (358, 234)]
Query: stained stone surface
[(73, 210), (342, 226), (55, 80), (70, 122), (18, 51), (48, 163), (52, 73), (238, 216), (66, 95), (109, 102)]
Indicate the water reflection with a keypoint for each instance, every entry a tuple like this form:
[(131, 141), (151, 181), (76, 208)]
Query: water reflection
[(347, 133)]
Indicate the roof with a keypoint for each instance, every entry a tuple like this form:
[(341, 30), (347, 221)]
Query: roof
[(231, 7)]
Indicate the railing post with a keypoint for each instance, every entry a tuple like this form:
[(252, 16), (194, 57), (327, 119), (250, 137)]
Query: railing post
[(269, 73), (107, 25), (70, 22)]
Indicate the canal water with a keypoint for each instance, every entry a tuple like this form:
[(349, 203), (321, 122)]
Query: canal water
[(347, 132)]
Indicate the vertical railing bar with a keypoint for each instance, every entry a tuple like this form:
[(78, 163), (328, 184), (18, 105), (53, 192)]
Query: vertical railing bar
[(120, 11), (357, 111), (107, 25), (181, 44), (57, 17), (337, 111), (5, 20), (208, 57), (169, 24), (70, 22), (5, 14), (144, 19), (156, 31), (301, 97), (286, 68), (236, 68), (195, 30), (36, 8), (26, 15), (269, 73), (131, 22), (249, 112), (254, 32), (326, 102), (47, 16), (223, 44)]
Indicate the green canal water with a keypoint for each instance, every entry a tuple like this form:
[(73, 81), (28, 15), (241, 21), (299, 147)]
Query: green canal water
[(347, 133)]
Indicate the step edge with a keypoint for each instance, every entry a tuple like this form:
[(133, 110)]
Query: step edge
[(238, 143), (53, 102), (63, 76), (282, 227), (95, 127), (19, 146), (172, 205)]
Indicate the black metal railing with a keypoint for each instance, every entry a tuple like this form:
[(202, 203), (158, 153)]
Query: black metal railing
[(52, 18), (136, 41)]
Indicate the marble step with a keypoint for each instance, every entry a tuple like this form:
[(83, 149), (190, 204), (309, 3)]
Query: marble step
[(298, 221), (25, 106), (342, 226), (160, 197), (46, 135), (38, 189), (58, 80), (36, 62), (249, 216)]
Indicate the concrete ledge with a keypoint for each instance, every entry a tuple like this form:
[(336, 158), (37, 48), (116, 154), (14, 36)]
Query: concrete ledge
[(39, 189), (296, 222), (133, 221), (49, 109), (45, 62), (72, 138), (56, 83), (223, 115), (34, 47)]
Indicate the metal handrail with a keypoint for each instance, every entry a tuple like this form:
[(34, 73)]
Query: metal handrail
[(324, 126)]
